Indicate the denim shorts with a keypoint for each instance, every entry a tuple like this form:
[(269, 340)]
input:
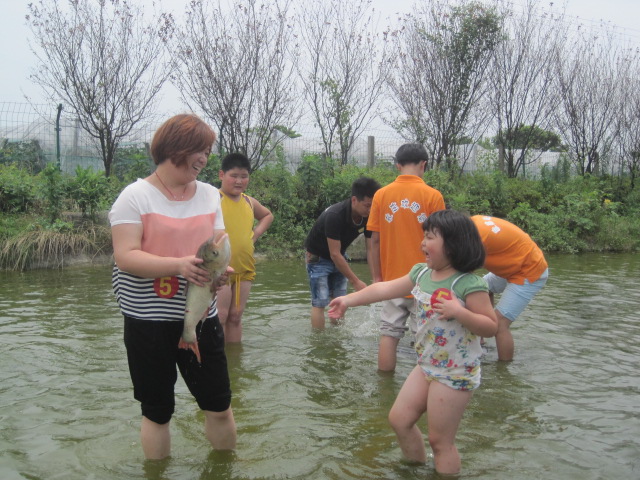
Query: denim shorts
[(514, 298), (325, 281)]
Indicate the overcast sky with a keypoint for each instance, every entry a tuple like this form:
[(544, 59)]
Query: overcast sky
[(18, 61)]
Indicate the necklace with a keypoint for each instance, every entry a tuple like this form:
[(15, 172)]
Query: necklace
[(170, 192), (359, 223)]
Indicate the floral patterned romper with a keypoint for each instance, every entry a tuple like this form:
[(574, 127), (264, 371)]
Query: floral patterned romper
[(447, 351)]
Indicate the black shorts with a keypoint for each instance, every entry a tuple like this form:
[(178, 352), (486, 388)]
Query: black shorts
[(153, 353)]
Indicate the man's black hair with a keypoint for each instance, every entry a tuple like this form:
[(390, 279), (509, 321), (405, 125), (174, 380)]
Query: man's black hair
[(364, 187)]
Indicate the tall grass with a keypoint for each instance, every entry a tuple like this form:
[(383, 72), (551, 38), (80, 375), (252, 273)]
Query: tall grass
[(51, 248)]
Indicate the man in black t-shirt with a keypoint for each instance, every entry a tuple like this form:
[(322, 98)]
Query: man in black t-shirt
[(335, 229)]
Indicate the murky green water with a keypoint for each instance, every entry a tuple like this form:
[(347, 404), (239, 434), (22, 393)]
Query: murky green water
[(310, 405)]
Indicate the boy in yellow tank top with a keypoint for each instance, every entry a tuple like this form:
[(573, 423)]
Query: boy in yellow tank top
[(240, 213)]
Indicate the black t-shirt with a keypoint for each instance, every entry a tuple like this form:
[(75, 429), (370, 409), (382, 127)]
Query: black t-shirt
[(335, 223)]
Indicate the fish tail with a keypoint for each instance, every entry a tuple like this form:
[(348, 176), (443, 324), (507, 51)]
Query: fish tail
[(191, 346)]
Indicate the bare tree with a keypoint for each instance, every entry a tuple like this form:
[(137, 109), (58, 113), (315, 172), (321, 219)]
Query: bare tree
[(340, 69), (102, 60), (439, 64), (629, 138), (522, 80), (234, 65), (590, 97)]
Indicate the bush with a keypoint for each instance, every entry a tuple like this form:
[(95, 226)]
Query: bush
[(24, 154), (88, 190), (276, 188), (479, 193), (618, 234), (53, 191), (545, 230), (131, 163), (562, 214), (12, 225), (17, 189), (209, 173), (520, 190)]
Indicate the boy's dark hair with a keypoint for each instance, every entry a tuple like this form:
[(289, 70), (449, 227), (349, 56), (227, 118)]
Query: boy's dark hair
[(364, 187), (411, 153), (462, 243), (235, 160)]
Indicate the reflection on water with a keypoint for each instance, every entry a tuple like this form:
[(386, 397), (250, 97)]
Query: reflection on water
[(310, 404)]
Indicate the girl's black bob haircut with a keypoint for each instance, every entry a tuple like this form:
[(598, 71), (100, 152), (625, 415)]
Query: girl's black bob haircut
[(462, 243)]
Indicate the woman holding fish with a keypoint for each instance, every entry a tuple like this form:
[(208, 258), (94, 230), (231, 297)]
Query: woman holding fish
[(158, 224)]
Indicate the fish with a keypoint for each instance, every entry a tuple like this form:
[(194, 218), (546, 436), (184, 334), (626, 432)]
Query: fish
[(216, 255)]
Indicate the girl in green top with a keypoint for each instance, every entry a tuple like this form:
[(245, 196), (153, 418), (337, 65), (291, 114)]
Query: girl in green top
[(454, 311)]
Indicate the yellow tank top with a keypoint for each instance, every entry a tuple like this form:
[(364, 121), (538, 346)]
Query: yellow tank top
[(238, 221)]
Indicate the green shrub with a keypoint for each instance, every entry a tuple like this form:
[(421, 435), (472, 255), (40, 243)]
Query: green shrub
[(337, 188), (17, 189), (13, 224), (132, 162), (484, 194), (436, 178), (520, 190), (310, 182), (468, 203), (24, 154), (562, 213), (209, 173), (617, 234), (276, 188), (88, 189), (53, 191), (545, 230)]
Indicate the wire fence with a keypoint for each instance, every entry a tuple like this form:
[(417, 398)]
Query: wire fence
[(34, 135)]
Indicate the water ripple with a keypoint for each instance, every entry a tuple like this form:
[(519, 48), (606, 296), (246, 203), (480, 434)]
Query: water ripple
[(310, 404)]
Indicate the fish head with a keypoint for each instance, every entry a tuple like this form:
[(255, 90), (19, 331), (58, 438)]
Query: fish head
[(216, 253)]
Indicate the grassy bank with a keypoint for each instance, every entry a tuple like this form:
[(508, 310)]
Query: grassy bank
[(562, 213), (31, 242)]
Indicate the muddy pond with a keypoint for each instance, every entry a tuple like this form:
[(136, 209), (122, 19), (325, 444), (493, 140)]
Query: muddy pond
[(310, 404)]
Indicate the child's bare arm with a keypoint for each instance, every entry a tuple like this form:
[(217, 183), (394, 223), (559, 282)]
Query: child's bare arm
[(264, 217), (375, 292), (478, 316)]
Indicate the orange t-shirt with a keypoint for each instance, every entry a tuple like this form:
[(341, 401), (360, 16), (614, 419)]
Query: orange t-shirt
[(510, 252), (397, 213)]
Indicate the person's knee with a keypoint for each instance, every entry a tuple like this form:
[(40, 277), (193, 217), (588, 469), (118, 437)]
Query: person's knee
[(221, 417), (397, 420), (504, 324), (235, 316), (437, 441), (221, 430)]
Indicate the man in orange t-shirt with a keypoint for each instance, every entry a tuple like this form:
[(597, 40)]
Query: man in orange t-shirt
[(396, 218), (517, 269)]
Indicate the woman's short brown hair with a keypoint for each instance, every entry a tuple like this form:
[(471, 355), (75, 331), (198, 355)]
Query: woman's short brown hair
[(179, 137)]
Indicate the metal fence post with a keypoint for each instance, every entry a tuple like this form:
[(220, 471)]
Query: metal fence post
[(58, 135)]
